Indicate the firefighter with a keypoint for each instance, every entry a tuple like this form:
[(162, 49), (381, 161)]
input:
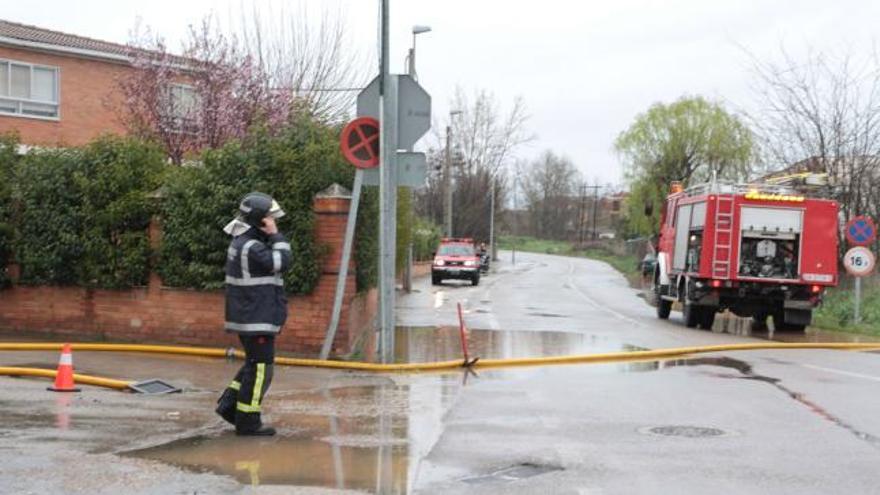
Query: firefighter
[(256, 307)]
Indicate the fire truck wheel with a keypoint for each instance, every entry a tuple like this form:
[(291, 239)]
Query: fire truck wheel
[(664, 307), (692, 314), (708, 317), (780, 325)]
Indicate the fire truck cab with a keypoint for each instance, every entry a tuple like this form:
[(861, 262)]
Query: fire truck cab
[(759, 251)]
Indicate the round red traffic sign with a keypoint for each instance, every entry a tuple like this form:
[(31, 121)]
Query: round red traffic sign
[(859, 261), (861, 231), (360, 142)]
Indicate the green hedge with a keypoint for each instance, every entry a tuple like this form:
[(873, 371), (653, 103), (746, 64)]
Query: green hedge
[(8, 160), (83, 213), (79, 216), (292, 167), (426, 237)]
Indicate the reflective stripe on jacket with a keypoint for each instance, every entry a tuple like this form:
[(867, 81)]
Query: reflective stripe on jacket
[(255, 299)]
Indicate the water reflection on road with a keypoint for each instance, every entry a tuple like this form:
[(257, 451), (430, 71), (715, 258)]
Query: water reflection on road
[(368, 432)]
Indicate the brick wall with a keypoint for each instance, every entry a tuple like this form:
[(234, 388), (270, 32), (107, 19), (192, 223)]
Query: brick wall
[(159, 314), (87, 97)]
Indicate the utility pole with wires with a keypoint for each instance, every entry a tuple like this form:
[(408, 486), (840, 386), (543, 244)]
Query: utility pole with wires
[(595, 211), (582, 213)]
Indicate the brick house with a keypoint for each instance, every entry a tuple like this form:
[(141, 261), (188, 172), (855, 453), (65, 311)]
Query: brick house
[(59, 89)]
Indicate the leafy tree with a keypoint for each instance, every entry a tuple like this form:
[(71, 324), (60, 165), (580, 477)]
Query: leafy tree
[(688, 140)]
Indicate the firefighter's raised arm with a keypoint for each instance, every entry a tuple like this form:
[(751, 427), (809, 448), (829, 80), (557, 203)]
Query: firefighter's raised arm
[(275, 254)]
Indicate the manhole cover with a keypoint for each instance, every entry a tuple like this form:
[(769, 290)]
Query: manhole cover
[(513, 473), (684, 431)]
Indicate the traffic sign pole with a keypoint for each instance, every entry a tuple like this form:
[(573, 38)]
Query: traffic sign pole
[(859, 262), (343, 263), (387, 197), (857, 317)]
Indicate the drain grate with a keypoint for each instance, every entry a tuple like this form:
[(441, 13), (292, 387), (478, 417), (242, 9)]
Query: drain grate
[(684, 431), (513, 473)]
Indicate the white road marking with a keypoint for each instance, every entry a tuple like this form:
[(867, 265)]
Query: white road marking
[(438, 299), (593, 302), (842, 372)]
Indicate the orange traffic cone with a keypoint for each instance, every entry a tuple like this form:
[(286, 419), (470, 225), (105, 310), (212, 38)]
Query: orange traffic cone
[(64, 377)]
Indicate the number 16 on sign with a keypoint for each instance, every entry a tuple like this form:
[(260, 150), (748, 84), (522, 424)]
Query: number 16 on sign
[(859, 262)]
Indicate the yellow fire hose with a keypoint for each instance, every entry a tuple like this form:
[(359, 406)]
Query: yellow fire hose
[(648, 355), (80, 379)]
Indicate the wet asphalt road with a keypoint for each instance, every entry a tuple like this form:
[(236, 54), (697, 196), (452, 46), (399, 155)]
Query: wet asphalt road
[(755, 422)]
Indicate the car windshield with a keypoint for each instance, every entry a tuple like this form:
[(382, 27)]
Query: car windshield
[(456, 250)]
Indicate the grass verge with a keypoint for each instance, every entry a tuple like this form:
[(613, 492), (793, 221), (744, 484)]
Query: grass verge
[(627, 265), (838, 308)]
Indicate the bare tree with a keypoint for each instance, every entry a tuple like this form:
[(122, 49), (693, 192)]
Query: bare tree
[(822, 114), (549, 184), (484, 144), (312, 57)]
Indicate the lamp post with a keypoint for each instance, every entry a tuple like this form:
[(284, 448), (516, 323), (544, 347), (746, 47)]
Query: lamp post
[(411, 66), (447, 174), (492, 250), (411, 70)]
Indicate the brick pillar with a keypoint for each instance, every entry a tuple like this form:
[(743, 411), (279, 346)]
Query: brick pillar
[(154, 232), (331, 215)]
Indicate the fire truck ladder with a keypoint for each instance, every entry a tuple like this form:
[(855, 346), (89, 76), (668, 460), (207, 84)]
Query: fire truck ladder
[(723, 247)]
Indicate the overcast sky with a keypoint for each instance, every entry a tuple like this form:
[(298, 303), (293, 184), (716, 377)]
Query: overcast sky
[(586, 69)]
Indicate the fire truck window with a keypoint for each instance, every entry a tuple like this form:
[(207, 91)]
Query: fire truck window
[(695, 246)]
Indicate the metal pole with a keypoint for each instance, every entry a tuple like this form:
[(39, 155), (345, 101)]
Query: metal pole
[(447, 183), (582, 213), (857, 318), (411, 70), (515, 219), (492, 221), (595, 209), (343, 263), (408, 269), (387, 197)]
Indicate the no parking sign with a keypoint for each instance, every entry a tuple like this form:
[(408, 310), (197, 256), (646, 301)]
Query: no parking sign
[(861, 231)]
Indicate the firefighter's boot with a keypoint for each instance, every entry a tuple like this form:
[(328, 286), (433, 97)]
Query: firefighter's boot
[(260, 431), (226, 405)]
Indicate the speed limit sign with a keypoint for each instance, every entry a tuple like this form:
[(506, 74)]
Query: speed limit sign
[(859, 261)]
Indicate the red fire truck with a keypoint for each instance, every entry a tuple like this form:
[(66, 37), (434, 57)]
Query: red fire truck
[(760, 251)]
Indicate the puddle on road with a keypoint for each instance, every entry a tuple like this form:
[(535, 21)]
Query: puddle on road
[(351, 437), (289, 460), (369, 436), (423, 344)]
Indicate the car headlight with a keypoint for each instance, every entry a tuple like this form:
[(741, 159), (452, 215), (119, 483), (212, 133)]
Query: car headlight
[(438, 262), (470, 263)]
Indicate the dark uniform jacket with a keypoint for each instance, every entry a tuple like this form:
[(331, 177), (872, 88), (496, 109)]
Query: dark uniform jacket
[(255, 299)]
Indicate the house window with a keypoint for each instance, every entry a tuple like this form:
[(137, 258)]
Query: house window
[(27, 89), (182, 105)]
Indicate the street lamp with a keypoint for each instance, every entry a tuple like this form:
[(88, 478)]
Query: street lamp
[(447, 176), (416, 30)]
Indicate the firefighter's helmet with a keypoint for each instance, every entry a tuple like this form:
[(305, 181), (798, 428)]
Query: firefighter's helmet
[(256, 206)]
